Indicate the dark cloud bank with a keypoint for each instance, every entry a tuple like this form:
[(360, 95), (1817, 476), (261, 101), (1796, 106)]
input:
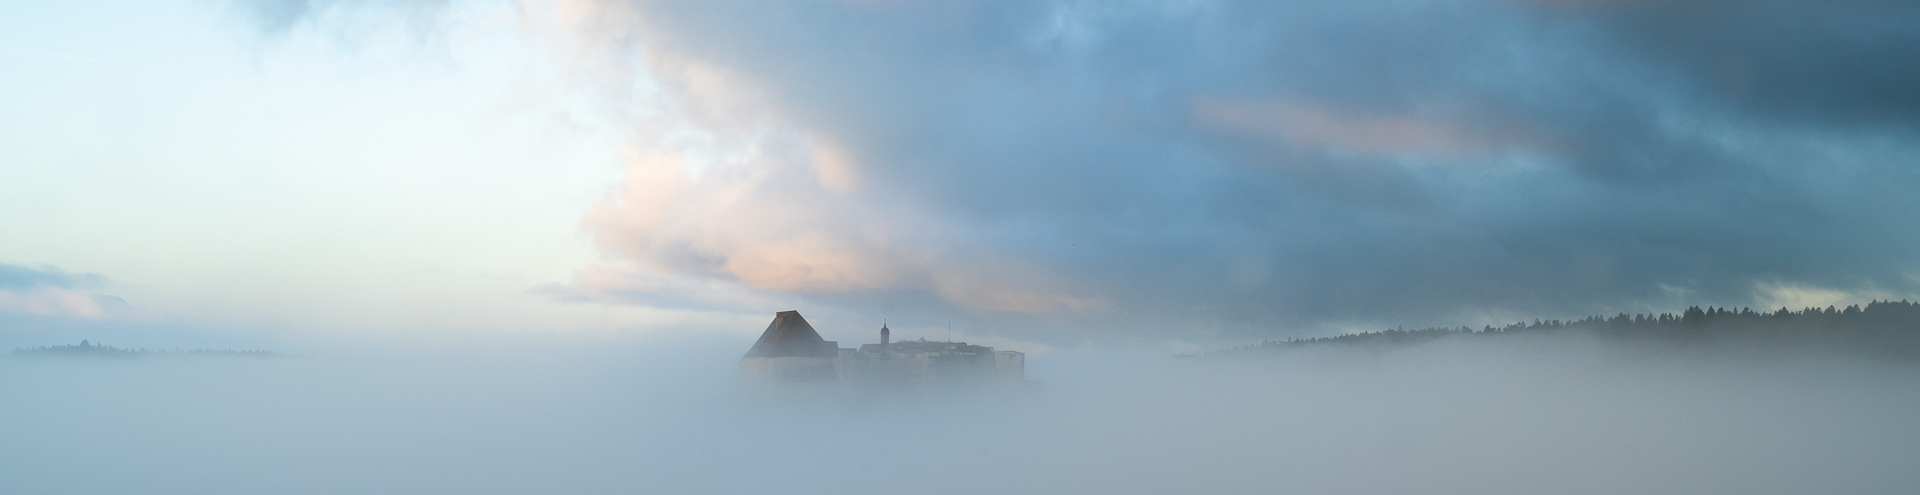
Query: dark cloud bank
[(1285, 168), (1283, 165), (25, 278), (30, 296)]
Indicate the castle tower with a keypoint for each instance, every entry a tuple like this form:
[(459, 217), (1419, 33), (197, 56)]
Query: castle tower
[(885, 335), (790, 351)]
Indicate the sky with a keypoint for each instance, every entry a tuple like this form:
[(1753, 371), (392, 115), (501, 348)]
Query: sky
[(504, 246), (1183, 174)]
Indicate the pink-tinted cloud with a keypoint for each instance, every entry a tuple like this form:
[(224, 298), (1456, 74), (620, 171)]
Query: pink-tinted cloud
[(1311, 126)]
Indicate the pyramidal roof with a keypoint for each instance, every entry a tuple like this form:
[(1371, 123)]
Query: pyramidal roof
[(790, 336)]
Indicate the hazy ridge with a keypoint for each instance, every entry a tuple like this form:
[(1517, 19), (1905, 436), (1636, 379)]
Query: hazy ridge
[(87, 349), (1889, 329)]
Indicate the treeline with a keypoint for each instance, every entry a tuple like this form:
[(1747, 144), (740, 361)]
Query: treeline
[(89, 349), (1881, 327)]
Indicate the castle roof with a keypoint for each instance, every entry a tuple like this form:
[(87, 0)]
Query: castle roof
[(790, 336)]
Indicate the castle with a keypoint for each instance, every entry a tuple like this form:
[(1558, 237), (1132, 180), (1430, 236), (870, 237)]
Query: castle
[(790, 351)]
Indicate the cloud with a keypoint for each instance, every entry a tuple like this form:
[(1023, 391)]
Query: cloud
[(787, 217), (628, 283), (1774, 296), (50, 291), (15, 277), (1312, 127), (281, 16), (1260, 167)]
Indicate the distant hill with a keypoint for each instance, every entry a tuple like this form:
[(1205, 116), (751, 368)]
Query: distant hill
[(1882, 328), (89, 349)]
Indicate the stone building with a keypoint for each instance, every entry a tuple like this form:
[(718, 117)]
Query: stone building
[(790, 351)]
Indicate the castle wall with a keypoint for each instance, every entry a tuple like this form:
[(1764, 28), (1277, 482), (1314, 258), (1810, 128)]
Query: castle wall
[(1010, 365), (774, 370), (904, 365)]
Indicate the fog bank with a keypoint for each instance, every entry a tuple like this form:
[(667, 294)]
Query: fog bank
[(1553, 414)]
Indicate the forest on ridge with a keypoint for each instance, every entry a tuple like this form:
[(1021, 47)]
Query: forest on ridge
[(1880, 328)]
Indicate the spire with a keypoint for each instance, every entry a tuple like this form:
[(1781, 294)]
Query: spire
[(885, 335)]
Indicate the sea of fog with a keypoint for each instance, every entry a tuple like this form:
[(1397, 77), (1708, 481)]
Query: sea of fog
[(590, 415)]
